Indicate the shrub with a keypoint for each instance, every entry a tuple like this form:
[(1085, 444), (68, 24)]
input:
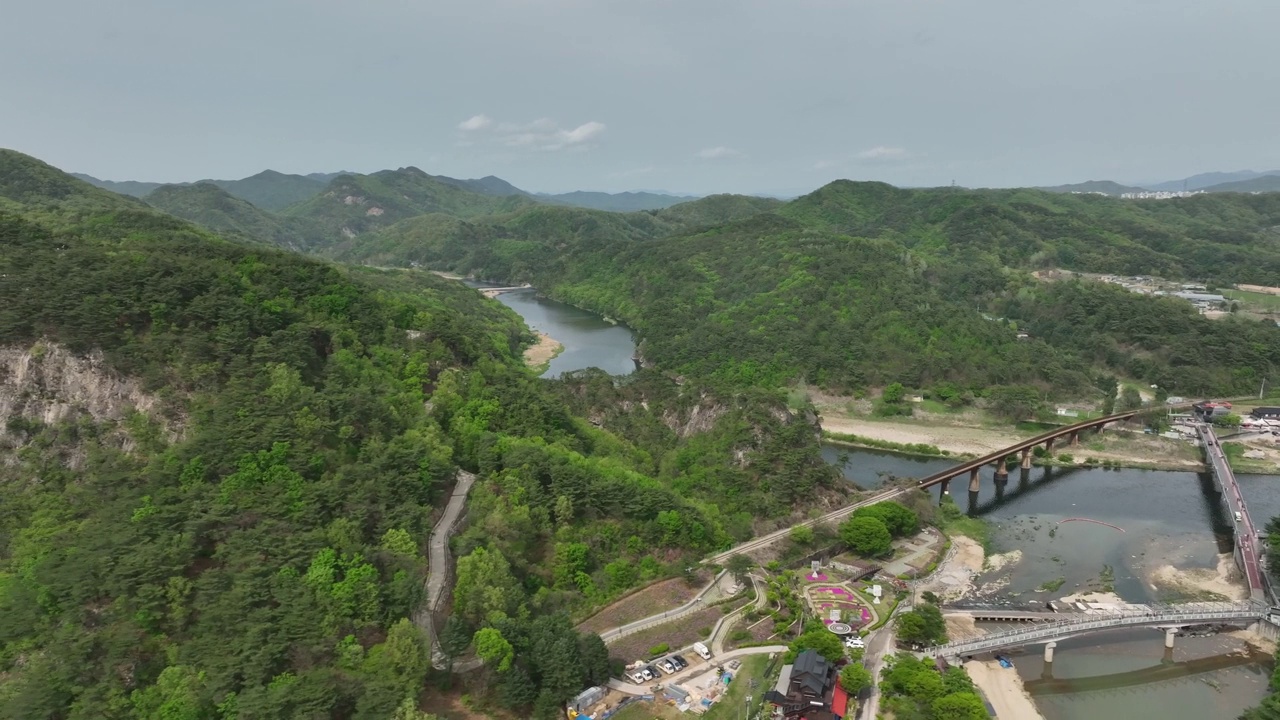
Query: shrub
[(659, 649), (1065, 458)]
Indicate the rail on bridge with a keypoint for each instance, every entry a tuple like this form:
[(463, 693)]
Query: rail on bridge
[(1000, 457), (1054, 631)]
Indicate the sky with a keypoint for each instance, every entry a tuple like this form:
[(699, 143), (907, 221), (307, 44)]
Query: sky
[(690, 96)]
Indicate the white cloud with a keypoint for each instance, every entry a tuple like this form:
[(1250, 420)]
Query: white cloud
[(880, 152), (541, 134), (719, 152), (475, 122)]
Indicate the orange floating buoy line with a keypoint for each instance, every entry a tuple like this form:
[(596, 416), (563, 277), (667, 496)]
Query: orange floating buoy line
[(1090, 520)]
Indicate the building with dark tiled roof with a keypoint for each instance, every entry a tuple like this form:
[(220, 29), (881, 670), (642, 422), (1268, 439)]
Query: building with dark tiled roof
[(807, 689)]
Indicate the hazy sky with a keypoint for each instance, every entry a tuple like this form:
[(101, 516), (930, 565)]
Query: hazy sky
[(684, 95)]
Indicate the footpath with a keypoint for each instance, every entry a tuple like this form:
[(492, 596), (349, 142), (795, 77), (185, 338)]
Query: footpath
[(439, 566)]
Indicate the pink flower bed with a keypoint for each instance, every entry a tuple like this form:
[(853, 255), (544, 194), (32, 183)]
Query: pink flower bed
[(820, 577)]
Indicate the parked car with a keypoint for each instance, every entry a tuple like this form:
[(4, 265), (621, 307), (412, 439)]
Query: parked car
[(680, 661), (647, 673), (667, 666), (638, 677), (656, 672)]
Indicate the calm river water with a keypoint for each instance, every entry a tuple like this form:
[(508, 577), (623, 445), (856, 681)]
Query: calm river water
[(589, 340), (1166, 517)]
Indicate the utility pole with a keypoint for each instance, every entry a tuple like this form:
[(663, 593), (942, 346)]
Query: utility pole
[(1264, 385)]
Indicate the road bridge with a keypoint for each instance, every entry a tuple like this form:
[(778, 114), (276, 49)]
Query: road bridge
[(1169, 618), (1247, 547)]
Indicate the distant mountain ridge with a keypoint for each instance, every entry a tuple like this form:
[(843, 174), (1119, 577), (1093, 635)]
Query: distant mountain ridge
[(1105, 187), (1208, 181), (275, 191), (1262, 183), (269, 190)]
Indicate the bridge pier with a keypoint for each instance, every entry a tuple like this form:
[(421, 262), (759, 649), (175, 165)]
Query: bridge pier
[(942, 490), (1002, 468), (1048, 651), (1169, 635), (1026, 458), (975, 480), (1075, 439)]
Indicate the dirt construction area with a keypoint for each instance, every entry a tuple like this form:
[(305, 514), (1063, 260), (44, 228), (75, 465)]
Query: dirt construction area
[(676, 634), (656, 598)]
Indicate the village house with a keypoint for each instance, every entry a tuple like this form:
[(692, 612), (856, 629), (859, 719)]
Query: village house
[(808, 690)]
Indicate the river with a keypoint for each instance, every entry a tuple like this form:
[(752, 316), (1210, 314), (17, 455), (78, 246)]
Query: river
[(1164, 518), (588, 339)]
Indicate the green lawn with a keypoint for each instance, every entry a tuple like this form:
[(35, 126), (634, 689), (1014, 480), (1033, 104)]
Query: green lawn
[(1253, 299)]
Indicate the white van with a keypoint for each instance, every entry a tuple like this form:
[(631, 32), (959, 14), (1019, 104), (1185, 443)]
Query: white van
[(1238, 518), (702, 650)]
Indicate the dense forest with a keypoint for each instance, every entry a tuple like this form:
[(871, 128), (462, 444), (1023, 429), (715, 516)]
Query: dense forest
[(860, 285), (224, 462)]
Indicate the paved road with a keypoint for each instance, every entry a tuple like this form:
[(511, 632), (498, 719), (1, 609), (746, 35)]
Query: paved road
[(1246, 535), (696, 666), (438, 562)]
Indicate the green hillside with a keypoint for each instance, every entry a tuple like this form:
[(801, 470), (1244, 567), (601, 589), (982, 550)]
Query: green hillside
[(210, 206), (271, 190), (858, 285), (230, 519), (353, 205)]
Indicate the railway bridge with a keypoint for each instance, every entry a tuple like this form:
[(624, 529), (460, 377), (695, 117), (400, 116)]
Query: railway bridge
[(1001, 458)]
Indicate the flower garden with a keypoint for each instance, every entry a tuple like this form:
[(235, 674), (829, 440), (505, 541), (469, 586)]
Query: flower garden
[(825, 597)]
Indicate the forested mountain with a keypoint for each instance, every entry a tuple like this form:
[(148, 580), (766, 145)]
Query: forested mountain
[(208, 205), (861, 284), (351, 205), (225, 461), (534, 233), (271, 190)]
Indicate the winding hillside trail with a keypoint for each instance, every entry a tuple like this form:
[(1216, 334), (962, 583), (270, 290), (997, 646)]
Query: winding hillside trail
[(439, 568)]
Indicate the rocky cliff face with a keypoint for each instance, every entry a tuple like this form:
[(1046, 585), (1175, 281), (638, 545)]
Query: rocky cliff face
[(46, 384)]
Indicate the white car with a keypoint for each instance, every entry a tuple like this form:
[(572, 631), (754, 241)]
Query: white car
[(855, 642)]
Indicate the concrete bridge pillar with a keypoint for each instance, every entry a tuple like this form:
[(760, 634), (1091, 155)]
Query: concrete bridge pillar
[(1169, 635), (1002, 469), (1048, 651), (1048, 446), (1075, 438), (942, 490), (1026, 458), (974, 480)]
